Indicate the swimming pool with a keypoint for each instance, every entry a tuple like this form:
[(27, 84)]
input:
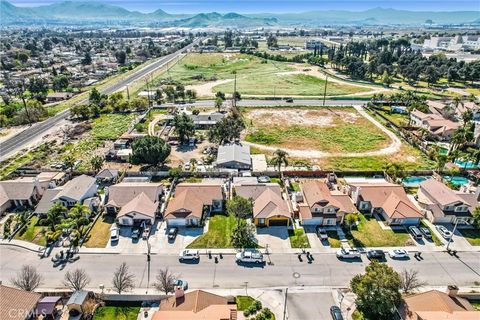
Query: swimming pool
[(456, 181), (414, 181), (466, 164)]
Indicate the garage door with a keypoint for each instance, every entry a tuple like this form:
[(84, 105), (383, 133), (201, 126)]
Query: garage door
[(278, 223), (176, 222)]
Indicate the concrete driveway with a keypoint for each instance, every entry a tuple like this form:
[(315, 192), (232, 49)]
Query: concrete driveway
[(309, 305), (315, 242), (185, 236), (274, 237)]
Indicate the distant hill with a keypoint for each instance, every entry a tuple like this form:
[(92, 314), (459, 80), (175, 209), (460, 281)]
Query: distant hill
[(85, 12)]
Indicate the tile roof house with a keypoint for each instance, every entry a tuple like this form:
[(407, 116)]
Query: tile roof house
[(321, 205), (269, 207), (122, 193), (234, 156), (437, 305), (16, 304), (139, 209), (196, 305), (22, 192), (386, 199), (76, 191), (444, 205), (192, 201), (440, 128)]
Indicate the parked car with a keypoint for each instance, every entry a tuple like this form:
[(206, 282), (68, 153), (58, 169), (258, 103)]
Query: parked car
[(263, 179), (415, 232), (180, 283), (426, 232), (114, 234), (345, 253), (289, 100), (322, 233), (336, 313), (444, 232), (136, 234), (375, 254), (172, 233), (189, 255), (398, 254), (187, 166), (146, 232), (249, 256)]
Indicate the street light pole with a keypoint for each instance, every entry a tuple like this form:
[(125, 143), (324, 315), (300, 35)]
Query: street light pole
[(148, 264), (325, 90), (285, 304)]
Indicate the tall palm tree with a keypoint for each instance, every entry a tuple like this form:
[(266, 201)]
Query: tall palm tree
[(69, 161), (279, 158), (54, 216), (96, 162)]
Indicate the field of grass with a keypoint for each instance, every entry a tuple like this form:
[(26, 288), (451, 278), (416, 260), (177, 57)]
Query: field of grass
[(111, 126), (33, 233), (100, 233), (298, 238), (370, 234), (472, 236), (116, 313), (397, 118), (219, 233), (344, 131)]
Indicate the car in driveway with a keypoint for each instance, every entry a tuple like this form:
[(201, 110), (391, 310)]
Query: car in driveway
[(375, 254), (346, 253), (415, 232), (336, 313), (188, 255), (135, 234), (172, 233), (426, 233), (398, 254), (322, 233), (114, 235), (444, 232), (249, 256), (263, 179)]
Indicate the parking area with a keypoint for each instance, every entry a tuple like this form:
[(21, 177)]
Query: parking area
[(273, 237), (309, 305), (184, 237)]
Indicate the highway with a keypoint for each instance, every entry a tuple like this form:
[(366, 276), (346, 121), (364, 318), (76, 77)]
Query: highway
[(283, 270), (19, 141)]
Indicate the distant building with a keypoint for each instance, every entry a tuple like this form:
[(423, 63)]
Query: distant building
[(234, 156), (311, 44), (457, 43)]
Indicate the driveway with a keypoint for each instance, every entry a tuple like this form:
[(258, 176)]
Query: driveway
[(309, 305), (274, 237), (185, 236), (315, 242)]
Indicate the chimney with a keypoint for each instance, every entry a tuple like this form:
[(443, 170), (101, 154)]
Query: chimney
[(179, 293), (452, 291)]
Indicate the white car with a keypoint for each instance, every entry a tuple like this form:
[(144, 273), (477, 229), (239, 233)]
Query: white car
[(249, 256), (346, 253), (398, 254), (444, 232), (187, 166), (189, 255), (114, 235)]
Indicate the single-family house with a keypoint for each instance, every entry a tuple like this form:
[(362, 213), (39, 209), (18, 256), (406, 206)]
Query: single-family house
[(438, 127), (206, 121), (107, 176), (138, 210), (50, 179), (322, 205), (444, 205), (16, 304), (58, 96), (46, 202), (388, 200), (191, 202), (269, 207), (196, 305), (437, 305), (121, 194), (234, 156), (76, 191), (19, 193)]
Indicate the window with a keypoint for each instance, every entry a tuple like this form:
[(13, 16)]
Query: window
[(261, 221)]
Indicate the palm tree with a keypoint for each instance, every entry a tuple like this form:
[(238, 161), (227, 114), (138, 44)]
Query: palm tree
[(279, 158), (69, 161), (441, 161), (96, 162), (54, 216), (457, 102)]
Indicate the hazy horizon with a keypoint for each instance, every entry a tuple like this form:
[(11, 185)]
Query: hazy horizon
[(272, 6)]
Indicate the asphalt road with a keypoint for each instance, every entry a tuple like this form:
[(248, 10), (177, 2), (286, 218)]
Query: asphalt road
[(20, 140), (285, 270), (270, 103)]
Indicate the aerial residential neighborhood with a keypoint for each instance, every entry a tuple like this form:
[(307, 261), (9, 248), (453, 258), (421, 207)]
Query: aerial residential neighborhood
[(229, 160)]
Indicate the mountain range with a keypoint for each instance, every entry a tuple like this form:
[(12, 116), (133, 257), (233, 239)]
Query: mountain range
[(92, 12)]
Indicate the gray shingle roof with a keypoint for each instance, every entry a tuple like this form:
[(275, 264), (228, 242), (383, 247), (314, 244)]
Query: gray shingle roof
[(234, 152), (76, 188)]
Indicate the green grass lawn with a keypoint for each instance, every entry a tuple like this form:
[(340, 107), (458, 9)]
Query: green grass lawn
[(370, 234), (111, 126), (100, 233), (32, 233), (472, 236), (476, 305), (397, 118), (219, 233), (116, 313), (244, 302), (333, 239), (298, 238)]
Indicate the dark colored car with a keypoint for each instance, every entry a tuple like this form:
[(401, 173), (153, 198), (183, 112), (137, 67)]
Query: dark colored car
[(336, 313), (375, 254), (172, 233), (289, 100), (136, 234), (426, 232)]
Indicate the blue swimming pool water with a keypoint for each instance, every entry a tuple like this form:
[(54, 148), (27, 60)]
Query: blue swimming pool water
[(457, 181), (414, 181), (466, 164)]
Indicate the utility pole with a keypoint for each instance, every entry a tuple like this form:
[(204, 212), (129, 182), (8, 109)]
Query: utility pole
[(148, 94), (325, 90), (148, 264), (285, 305), (128, 94), (235, 90)]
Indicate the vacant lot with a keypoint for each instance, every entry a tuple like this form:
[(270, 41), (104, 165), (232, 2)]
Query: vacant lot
[(323, 129)]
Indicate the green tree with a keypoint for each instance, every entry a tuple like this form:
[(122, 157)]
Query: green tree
[(56, 213), (226, 130), (96, 162), (218, 104), (279, 159), (243, 235), (440, 161), (184, 127), (377, 291), (150, 150), (69, 162), (350, 220), (240, 207), (386, 79), (476, 216)]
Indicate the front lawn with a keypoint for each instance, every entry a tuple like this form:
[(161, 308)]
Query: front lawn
[(298, 238), (116, 313), (333, 239), (370, 234), (32, 233), (219, 234), (244, 302), (472, 236), (100, 233)]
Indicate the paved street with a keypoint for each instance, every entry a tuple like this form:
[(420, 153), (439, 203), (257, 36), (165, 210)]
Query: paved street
[(437, 269)]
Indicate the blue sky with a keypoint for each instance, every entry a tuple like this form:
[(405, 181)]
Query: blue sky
[(249, 6)]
